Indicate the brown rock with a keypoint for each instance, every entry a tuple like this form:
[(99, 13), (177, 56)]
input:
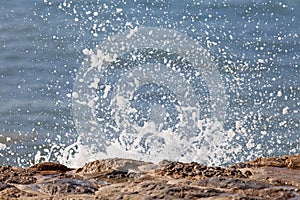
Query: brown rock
[(111, 164), (114, 170), (268, 193), (4, 186), (67, 187), (196, 171), (49, 167), (292, 161), (232, 183), (15, 193), (278, 176), (158, 189), (16, 175), (263, 178)]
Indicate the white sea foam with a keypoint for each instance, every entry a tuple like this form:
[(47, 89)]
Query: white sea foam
[(212, 150), (2, 146), (123, 132)]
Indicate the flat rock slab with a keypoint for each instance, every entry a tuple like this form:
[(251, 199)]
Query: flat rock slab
[(116, 178)]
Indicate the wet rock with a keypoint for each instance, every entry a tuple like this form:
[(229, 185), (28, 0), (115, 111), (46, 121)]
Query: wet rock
[(268, 193), (264, 178), (67, 186), (232, 183), (112, 164), (194, 170), (279, 176), (292, 161), (4, 186), (9, 174), (49, 167), (15, 193), (156, 190), (114, 170)]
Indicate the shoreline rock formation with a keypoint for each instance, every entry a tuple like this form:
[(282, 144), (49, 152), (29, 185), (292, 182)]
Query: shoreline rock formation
[(116, 178)]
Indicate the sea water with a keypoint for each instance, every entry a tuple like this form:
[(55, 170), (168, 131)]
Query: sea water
[(209, 81)]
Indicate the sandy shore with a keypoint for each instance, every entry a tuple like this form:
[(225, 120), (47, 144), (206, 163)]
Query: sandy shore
[(262, 178)]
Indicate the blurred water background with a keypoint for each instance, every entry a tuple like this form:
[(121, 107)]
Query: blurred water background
[(255, 43)]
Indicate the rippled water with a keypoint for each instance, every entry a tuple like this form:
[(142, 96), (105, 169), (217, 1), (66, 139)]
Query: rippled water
[(255, 45)]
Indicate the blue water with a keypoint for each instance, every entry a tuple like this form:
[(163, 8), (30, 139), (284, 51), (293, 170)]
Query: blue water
[(255, 43)]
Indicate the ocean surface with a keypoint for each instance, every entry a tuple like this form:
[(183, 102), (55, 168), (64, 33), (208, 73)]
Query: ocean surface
[(255, 45)]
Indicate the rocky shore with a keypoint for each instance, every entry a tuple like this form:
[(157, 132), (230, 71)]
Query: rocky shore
[(262, 178)]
